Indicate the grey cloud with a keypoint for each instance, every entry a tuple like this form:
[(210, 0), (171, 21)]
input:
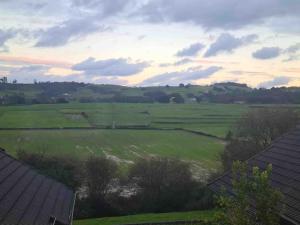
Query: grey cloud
[(183, 61), (275, 82), (103, 8), (293, 49), (6, 35), (177, 63), (292, 52), (174, 78), (192, 50), (226, 14), (267, 53), (227, 43), (110, 67), (40, 73), (286, 25), (61, 34), (27, 74)]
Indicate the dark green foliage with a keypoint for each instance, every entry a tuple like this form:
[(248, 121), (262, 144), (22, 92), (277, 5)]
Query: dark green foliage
[(165, 185), (252, 193), (51, 92), (63, 169), (176, 98), (158, 96), (256, 131), (99, 172)]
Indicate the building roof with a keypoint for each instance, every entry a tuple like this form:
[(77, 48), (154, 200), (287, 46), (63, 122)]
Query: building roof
[(284, 155), (29, 198)]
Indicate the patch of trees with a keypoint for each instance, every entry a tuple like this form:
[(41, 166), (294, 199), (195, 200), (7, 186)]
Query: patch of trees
[(255, 131), (254, 96), (158, 96), (150, 185), (13, 99), (252, 192)]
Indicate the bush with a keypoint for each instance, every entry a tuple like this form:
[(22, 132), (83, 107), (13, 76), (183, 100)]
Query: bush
[(164, 185), (256, 131), (66, 170), (253, 193)]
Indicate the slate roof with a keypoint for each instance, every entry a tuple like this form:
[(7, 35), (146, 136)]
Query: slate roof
[(29, 198), (284, 155)]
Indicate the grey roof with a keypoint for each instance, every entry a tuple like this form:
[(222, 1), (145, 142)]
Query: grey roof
[(284, 155), (29, 198)]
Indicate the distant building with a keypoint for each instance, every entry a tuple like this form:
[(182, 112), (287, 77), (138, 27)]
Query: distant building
[(27, 197), (284, 155)]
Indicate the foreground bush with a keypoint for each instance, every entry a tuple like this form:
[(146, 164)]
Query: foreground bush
[(255, 201), (64, 169), (151, 185), (164, 185)]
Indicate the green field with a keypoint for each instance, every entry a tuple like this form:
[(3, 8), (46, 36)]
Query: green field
[(123, 146), (142, 218), (213, 119), (147, 130), (122, 132)]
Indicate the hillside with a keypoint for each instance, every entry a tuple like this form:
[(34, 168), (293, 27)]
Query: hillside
[(64, 92)]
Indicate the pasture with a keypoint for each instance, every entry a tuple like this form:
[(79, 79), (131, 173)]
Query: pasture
[(122, 132), (123, 146), (145, 218), (214, 119)]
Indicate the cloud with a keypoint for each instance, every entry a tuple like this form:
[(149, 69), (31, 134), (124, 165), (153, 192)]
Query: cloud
[(27, 74), (103, 8), (267, 53), (34, 61), (186, 76), (192, 50), (67, 31), (288, 24), (273, 52), (6, 35), (292, 52), (110, 67), (275, 82), (226, 14), (177, 63), (227, 43), (183, 62), (293, 48), (40, 73)]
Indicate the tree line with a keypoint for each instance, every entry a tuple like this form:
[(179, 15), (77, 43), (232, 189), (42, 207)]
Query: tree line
[(64, 92)]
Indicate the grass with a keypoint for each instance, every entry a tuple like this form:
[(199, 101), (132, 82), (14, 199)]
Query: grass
[(124, 145), (40, 119), (142, 218), (215, 119), (120, 144)]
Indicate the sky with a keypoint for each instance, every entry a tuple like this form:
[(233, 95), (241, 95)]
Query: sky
[(151, 42)]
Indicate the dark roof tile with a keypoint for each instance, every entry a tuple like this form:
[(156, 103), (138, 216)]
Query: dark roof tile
[(28, 198)]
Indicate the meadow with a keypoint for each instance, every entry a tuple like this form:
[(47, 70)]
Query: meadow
[(149, 218), (123, 132), (214, 119)]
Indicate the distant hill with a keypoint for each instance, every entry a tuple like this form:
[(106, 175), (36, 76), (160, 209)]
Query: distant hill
[(64, 92)]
